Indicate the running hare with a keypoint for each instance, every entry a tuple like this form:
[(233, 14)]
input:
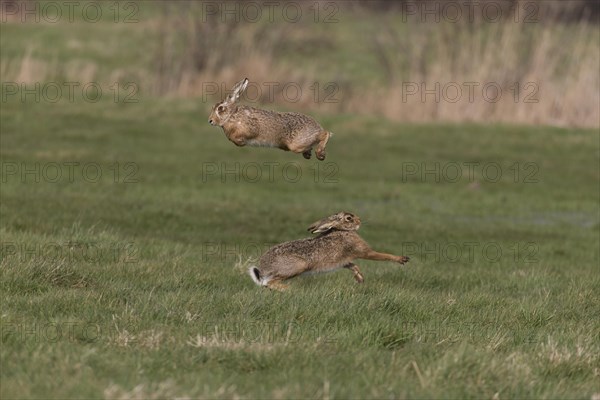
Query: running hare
[(336, 247), (251, 126)]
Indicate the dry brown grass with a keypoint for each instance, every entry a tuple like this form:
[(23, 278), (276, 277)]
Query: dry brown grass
[(547, 75), (210, 52), (547, 71)]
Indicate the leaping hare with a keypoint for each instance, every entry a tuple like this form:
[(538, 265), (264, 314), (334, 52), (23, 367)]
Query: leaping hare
[(336, 247), (249, 126)]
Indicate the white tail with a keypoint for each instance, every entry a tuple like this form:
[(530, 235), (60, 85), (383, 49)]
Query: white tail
[(255, 275)]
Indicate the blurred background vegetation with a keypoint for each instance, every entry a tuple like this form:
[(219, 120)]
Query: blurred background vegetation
[(375, 58)]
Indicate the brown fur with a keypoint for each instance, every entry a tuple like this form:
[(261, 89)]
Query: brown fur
[(336, 247), (249, 126)]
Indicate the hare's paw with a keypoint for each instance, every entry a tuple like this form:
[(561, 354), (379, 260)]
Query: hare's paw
[(323, 139), (358, 277), (238, 141), (307, 154), (403, 259)]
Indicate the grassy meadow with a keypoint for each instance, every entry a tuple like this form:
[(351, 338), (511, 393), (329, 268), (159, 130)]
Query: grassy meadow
[(127, 227)]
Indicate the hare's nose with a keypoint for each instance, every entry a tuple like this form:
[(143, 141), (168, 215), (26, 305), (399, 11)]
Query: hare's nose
[(210, 121)]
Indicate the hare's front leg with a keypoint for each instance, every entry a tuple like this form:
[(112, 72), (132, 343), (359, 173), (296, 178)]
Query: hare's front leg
[(238, 140), (377, 256), (237, 135), (356, 272)]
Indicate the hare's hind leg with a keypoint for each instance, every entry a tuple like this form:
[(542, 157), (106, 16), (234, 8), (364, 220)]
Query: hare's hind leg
[(277, 285), (322, 140), (283, 268), (356, 272)]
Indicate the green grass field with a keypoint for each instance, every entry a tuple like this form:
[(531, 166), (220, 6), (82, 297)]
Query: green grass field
[(126, 230), (132, 284)]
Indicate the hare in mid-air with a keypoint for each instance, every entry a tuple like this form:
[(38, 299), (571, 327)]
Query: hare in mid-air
[(336, 247), (249, 126)]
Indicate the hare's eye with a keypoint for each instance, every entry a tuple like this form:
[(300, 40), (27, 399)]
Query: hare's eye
[(348, 218), (220, 109)]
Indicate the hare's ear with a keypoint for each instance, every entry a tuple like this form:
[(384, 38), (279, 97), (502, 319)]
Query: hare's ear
[(323, 225), (237, 91)]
